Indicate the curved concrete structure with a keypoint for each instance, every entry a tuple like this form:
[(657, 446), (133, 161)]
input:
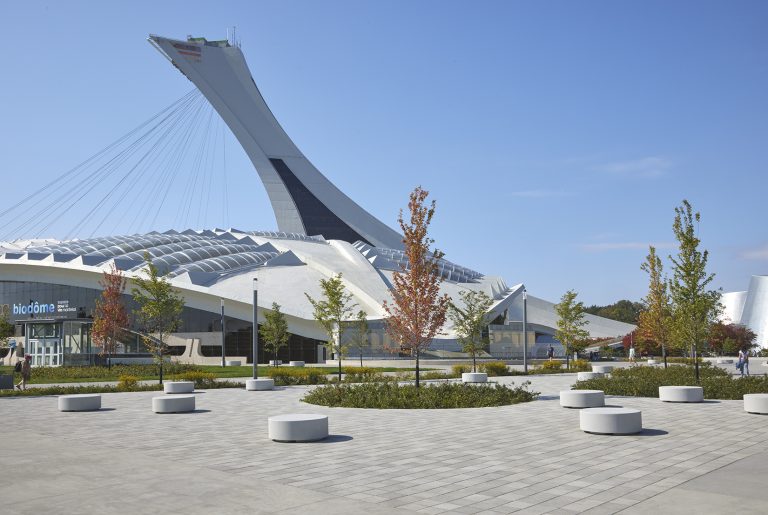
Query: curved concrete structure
[(756, 403), (681, 393), (259, 385), (602, 369), (175, 387), (582, 398), (474, 377), (297, 364), (233, 363), (85, 402), (173, 404), (303, 199), (585, 376), (749, 308), (298, 428), (611, 421)]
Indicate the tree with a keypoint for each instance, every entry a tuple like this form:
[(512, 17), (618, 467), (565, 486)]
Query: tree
[(570, 323), (274, 331), (622, 311), (418, 311), (471, 321), (110, 317), (360, 333), (695, 307), (729, 338), (332, 311), (655, 320), (7, 330), (159, 310)]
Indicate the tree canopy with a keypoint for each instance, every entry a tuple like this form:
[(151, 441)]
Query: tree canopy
[(570, 323), (470, 321)]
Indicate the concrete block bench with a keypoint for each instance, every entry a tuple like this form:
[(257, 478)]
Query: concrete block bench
[(275, 362), (652, 362), (582, 398), (584, 376), (175, 387), (756, 403), (232, 363), (611, 421), (296, 363), (603, 369), (725, 362), (85, 402), (474, 377), (298, 428), (173, 404), (260, 384), (681, 393)]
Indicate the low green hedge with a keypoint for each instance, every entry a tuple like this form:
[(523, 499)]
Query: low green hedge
[(288, 376), (73, 390), (440, 396), (645, 381)]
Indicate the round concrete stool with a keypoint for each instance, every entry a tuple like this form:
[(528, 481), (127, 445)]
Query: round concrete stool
[(611, 421), (275, 362), (174, 404), (756, 403), (298, 428), (232, 363), (260, 384), (584, 376), (474, 377), (582, 398), (652, 362), (296, 363), (681, 393), (603, 369), (178, 387), (725, 362), (86, 402)]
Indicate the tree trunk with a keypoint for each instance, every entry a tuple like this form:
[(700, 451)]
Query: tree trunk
[(474, 363), (417, 368), (361, 357), (696, 363), (664, 354), (339, 367), (567, 362)]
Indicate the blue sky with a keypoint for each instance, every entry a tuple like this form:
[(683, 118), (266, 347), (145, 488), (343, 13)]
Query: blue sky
[(556, 137)]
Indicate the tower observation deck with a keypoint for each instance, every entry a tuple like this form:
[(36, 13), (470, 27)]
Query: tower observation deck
[(303, 199)]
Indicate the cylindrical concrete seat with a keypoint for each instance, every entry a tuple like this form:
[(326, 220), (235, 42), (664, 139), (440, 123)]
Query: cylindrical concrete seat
[(85, 402), (474, 377), (652, 362), (725, 361), (275, 362), (298, 428), (173, 404), (260, 384), (582, 398), (178, 387), (585, 376), (296, 363), (603, 369), (681, 393), (611, 421), (756, 403), (232, 363)]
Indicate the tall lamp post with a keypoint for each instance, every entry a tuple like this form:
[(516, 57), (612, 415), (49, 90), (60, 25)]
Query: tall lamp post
[(223, 335), (525, 330), (255, 329)]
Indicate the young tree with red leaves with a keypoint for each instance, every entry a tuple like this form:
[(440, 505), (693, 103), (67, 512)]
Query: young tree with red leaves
[(110, 317), (418, 311)]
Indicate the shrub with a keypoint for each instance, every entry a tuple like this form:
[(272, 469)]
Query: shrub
[(434, 374), (286, 376), (457, 370), (581, 365), (362, 375), (645, 382), (71, 390), (494, 368), (554, 365), (440, 396), (127, 382), (78, 373), (202, 380)]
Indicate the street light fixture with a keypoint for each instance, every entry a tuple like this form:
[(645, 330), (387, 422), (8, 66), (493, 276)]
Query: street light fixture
[(525, 330), (223, 335), (255, 329)]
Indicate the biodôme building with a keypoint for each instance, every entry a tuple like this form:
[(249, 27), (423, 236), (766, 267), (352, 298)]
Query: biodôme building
[(48, 288)]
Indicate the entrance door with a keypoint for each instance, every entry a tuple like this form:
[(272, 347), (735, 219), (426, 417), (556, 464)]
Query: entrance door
[(46, 352)]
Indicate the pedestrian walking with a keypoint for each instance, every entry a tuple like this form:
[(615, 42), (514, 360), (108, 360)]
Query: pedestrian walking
[(26, 372), (632, 354), (550, 352), (744, 361)]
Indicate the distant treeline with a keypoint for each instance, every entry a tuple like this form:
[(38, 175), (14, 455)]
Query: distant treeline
[(622, 311)]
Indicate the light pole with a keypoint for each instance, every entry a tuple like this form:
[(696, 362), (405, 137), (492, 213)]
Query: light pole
[(223, 335), (525, 330), (255, 329)]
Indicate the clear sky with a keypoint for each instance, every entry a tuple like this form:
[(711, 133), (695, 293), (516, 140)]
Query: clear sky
[(556, 137)]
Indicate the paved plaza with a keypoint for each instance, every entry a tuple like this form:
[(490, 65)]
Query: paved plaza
[(529, 458)]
